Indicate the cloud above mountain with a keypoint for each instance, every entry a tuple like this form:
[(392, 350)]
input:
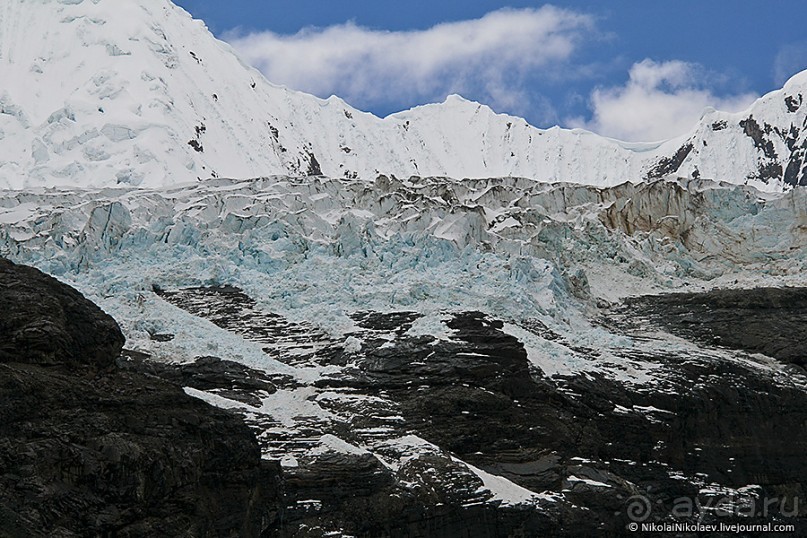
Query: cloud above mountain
[(486, 58), (660, 100), (502, 59), (791, 59)]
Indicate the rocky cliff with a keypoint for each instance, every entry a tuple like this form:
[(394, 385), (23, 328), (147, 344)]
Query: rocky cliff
[(408, 435), (87, 449)]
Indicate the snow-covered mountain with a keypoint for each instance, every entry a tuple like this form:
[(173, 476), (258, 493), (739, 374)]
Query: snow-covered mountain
[(136, 92), (448, 354)]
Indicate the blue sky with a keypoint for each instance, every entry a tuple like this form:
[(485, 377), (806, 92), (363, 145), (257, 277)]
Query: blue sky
[(636, 70)]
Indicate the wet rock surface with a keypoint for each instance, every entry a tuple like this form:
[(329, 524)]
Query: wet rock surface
[(593, 441), (230, 379), (770, 321), (87, 449), (466, 436), (405, 434), (45, 322)]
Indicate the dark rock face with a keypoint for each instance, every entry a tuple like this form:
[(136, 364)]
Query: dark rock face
[(229, 379), (45, 322), (89, 451), (670, 165), (770, 321), (233, 310), (99, 454), (313, 166), (793, 172), (592, 439), (793, 102), (759, 134), (707, 430)]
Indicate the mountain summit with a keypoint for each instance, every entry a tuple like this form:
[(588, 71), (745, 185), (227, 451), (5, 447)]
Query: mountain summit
[(135, 92)]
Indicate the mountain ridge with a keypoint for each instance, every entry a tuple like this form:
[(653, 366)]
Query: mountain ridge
[(141, 94)]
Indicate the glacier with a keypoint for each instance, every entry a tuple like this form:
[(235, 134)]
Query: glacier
[(316, 250)]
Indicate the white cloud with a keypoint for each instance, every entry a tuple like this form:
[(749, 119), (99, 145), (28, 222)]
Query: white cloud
[(790, 60), (661, 100), (487, 57)]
